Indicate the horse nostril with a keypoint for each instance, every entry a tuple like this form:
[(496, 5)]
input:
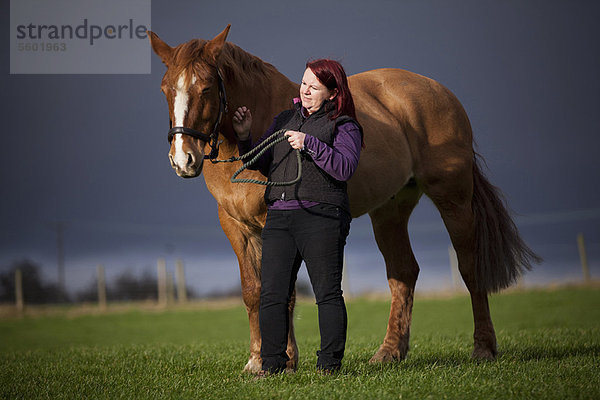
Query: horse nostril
[(190, 159), (172, 161)]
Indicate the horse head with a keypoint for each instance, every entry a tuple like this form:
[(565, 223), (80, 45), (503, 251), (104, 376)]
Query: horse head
[(195, 96)]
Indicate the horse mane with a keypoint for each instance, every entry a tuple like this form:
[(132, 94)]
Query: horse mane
[(237, 65), (243, 67)]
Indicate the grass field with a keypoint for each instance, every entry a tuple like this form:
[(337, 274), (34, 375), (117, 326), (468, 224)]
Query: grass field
[(549, 343)]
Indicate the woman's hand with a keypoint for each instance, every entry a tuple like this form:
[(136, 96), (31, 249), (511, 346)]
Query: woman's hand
[(296, 139), (242, 122)]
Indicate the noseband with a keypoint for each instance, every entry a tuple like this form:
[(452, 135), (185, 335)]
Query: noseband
[(213, 138)]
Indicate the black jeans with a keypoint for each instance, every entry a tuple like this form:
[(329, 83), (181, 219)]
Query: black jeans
[(316, 235)]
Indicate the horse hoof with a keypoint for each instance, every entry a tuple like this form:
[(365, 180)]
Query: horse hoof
[(291, 366), (386, 356), (254, 365), (484, 353)]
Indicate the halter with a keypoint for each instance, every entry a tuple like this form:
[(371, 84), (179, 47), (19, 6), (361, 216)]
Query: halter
[(213, 138)]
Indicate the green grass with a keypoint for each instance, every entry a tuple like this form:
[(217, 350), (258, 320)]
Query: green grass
[(549, 343)]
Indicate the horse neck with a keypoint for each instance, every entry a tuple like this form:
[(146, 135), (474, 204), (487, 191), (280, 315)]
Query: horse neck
[(265, 97)]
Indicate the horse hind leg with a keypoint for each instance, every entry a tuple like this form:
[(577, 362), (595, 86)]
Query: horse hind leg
[(390, 225), (453, 198)]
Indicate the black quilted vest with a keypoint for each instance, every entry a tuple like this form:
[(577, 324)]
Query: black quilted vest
[(315, 184)]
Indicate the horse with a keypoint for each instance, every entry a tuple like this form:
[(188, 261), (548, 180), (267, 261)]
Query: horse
[(417, 140)]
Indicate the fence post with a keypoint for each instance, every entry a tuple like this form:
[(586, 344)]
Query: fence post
[(180, 278), (101, 287), (162, 282), (170, 289), (20, 304), (583, 257), (454, 268)]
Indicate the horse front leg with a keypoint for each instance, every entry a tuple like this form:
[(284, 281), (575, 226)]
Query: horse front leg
[(250, 280), (247, 245), (292, 347)]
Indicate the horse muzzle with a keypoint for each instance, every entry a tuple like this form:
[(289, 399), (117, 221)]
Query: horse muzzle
[(186, 164)]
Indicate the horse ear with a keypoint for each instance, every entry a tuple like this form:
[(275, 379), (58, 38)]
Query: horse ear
[(214, 47), (163, 50)]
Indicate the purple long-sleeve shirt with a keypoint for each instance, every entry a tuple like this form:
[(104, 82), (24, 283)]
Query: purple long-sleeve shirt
[(339, 161)]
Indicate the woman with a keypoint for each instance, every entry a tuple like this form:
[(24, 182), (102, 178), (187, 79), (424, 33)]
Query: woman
[(309, 220)]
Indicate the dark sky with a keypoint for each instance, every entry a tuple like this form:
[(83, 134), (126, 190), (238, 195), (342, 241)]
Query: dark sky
[(91, 151)]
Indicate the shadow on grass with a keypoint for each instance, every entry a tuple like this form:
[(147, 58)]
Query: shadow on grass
[(356, 366), (533, 353), (360, 366)]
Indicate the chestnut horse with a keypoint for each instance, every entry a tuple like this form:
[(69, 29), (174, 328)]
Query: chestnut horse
[(418, 140)]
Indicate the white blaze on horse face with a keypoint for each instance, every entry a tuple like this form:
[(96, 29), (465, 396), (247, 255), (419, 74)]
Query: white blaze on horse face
[(180, 103), (180, 107)]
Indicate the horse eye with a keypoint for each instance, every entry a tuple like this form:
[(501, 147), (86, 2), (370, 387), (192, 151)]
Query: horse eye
[(205, 90)]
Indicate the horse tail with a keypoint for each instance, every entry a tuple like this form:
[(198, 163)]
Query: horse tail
[(501, 256)]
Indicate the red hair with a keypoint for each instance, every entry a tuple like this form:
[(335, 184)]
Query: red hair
[(331, 74)]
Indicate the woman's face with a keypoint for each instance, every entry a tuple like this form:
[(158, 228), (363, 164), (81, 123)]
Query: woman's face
[(313, 93)]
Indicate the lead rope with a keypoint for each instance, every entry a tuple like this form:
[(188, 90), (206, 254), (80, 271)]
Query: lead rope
[(260, 149)]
